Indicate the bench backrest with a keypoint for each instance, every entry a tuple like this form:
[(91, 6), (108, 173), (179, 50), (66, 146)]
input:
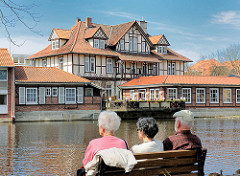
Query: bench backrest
[(174, 162)]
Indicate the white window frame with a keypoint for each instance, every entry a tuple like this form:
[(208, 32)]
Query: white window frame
[(92, 61), (197, 101), (96, 43), (130, 43), (31, 102), (86, 89), (122, 47), (102, 44), (56, 89), (53, 45), (6, 75), (80, 96), (174, 93), (132, 94), (86, 64), (57, 44), (44, 63), (210, 94), (135, 43), (152, 94), (224, 101), (144, 93), (143, 47), (48, 91), (237, 95), (157, 95), (189, 93), (22, 96), (109, 65), (67, 101), (173, 69)]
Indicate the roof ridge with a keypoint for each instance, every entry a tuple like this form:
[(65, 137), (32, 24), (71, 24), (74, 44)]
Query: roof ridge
[(75, 41)]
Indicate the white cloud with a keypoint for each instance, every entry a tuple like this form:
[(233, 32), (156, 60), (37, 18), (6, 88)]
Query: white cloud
[(30, 45), (228, 17)]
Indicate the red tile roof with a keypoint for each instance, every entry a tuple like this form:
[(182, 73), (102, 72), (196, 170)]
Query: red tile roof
[(155, 39), (78, 44), (62, 33), (182, 80), (46, 75), (5, 58)]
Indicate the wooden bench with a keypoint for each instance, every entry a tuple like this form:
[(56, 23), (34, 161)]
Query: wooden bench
[(174, 162)]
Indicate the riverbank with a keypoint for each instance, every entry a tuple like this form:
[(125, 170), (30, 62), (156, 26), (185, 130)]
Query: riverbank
[(216, 112)]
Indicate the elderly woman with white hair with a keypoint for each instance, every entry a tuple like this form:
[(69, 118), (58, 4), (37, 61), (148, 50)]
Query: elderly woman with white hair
[(183, 138), (108, 123)]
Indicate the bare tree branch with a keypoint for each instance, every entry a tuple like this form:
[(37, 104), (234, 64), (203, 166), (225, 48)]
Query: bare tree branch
[(17, 13)]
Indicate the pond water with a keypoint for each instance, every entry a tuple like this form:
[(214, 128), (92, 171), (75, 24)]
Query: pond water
[(57, 148)]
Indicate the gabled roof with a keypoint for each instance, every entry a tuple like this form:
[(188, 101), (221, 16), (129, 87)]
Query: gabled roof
[(90, 32), (61, 33), (5, 58), (181, 80), (158, 39), (46, 75)]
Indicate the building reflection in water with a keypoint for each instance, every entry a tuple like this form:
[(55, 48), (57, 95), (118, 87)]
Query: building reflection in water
[(57, 148)]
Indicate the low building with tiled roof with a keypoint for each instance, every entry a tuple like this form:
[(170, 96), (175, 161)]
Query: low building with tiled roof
[(51, 93), (6, 86), (197, 91), (110, 55)]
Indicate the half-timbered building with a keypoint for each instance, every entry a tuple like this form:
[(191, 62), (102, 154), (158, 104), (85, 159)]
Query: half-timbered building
[(110, 55)]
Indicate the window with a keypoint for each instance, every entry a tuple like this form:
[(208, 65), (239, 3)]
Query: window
[(122, 48), (214, 98), (133, 68), (44, 62), (48, 91), (92, 64), (3, 75), (151, 94), (86, 64), (109, 65), (143, 47), (53, 45), (237, 95), (60, 63), (88, 92), (156, 94), (80, 94), (171, 68), (200, 95), (186, 94), (3, 99), (31, 95), (142, 94), (144, 69), (54, 91), (227, 95), (130, 44), (162, 49), (135, 44), (132, 95), (70, 95), (57, 44), (172, 93), (102, 44), (96, 43), (109, 90)]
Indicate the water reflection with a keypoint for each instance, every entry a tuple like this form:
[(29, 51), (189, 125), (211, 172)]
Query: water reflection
[(57, 148)]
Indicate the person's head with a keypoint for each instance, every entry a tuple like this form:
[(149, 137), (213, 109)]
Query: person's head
[(108, 122), (183, 120), (148, 126)]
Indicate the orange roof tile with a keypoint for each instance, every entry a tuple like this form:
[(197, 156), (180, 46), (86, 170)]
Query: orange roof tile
[(155, 39), (62, 33), (5, 58), (182, 80), (46, 75), (90, 32)]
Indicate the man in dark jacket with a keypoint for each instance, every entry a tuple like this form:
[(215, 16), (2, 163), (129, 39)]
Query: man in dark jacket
[(183, 138)]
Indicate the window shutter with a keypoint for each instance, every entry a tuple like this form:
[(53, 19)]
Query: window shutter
[(41, 95), (21, 95), (80, 94), (61, 95)]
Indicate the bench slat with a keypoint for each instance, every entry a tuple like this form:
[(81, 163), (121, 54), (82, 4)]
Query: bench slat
[(166, 162), (166, 171), (166, 154)]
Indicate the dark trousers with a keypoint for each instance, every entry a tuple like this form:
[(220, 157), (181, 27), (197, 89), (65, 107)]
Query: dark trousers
[(81, 172)]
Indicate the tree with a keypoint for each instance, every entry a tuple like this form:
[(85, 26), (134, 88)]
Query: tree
[(12, 13)]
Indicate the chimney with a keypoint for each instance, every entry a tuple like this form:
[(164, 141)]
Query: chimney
[(77, 20), (143, 25), (88, 22)]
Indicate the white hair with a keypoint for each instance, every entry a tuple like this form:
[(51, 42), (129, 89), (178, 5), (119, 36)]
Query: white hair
[(109, 120), (185, 116)]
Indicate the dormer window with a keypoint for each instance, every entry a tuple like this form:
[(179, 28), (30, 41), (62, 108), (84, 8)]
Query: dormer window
[(55, 44), (98, 43), (162, 49)]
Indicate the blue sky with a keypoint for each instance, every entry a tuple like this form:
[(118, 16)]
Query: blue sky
[(194, 28)]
